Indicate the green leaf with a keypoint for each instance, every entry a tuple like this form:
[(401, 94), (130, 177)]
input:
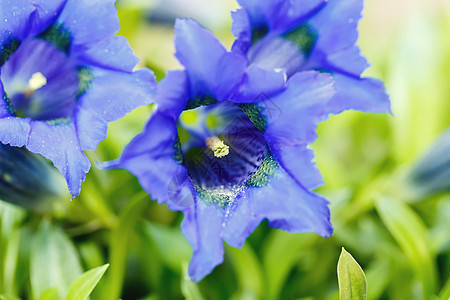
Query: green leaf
[(82, 287), (445, 292), (280, 257), (49, 294), (53, 261), (120, 238), (248, 271), (189, 288), (352, 281), (171, 244), (410, 233)]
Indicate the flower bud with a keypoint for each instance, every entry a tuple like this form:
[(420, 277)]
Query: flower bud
[(29, 180), (431, 175)]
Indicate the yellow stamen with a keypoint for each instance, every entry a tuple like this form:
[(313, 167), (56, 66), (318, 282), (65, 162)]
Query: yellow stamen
[(36, 81), (217, 146)]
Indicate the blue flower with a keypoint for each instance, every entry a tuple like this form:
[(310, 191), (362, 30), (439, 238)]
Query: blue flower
[(310, 35), (64, 76), (227, 146)]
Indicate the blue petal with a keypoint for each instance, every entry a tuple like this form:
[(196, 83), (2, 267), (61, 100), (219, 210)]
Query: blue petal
[(151, 158), (4, 105), (336, 25), (298, 162), (210, 68), (113, 53), (47, 12), (14, 131), (240, 222), (276, 52), (347, 61), (279, 15), (262, 13), (289, 206), (260, 83), (111, 96), (202, 226), (59, 143), (242, 31), (89, 21), (299, 109), (363, 94), (15, 20), (173, 93)]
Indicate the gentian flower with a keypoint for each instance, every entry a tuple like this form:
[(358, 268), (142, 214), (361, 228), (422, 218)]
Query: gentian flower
[(64, 76), (28, 179), (310, 35), (227, 146)]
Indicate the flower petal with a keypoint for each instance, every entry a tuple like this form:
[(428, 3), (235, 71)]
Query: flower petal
[(289, 206), (47, 12), (172, 93), (14, 131), (299, 109), (349, 61), (15, 21), (210, 68), (298, 163), (336, 25), (59, 144), (363, 94), (279, 15), (277, 53), (240, 222), (14, 18), (80, 17), (201, 226), (260, 83), (151, 158), (111, 95), (4, 105), (241, 30), (113, 53)]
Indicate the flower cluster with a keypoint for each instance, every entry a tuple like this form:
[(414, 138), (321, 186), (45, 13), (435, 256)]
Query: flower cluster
[(64, 76), (228, 143)]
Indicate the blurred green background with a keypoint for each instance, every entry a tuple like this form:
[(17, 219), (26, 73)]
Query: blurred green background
[(397, 231)]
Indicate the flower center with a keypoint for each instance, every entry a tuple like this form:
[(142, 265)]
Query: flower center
[(36, 81), (217, 146), (221, 150), (40, 81)]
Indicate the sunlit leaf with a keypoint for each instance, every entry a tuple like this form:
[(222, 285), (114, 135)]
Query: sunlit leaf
[(82, 287), (410, 233), (53, 261), (352, 281), (119, 243), (50, 294)]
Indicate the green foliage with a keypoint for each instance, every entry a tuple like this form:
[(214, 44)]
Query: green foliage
[(352, 281), (54, 261), (82, 287)]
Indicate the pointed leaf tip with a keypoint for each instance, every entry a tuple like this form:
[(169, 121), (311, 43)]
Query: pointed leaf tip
[(352, 281)]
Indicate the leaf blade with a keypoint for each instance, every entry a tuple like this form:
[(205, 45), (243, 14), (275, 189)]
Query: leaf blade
[(351, 278), (83, 286)]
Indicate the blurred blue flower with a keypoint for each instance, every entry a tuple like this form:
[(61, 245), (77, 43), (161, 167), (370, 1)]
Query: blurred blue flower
[(28, 179), (310, 35), (64, 76), (227, 146)]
